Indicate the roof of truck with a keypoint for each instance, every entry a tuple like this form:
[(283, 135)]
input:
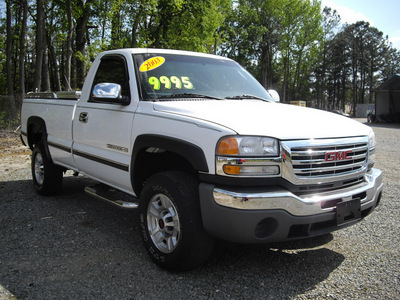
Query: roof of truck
[(163, 51)]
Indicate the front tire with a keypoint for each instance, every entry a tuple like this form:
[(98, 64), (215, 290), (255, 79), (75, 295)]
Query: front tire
[(47, 177), (171, 224)]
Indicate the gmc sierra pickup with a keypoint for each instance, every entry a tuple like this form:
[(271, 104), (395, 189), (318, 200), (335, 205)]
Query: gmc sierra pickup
[(203, 151)]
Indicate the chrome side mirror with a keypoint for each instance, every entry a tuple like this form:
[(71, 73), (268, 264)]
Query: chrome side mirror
[(111, 91)]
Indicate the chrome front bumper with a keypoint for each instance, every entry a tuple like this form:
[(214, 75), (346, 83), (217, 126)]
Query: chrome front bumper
[(276, 214), (311, 204)]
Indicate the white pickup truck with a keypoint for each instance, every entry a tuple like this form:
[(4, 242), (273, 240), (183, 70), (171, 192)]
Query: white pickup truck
[(203, 151)]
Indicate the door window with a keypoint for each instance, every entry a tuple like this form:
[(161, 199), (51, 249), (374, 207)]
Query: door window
[(112, 69)]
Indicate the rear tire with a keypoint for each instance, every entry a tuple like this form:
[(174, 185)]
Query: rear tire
[(47, 177), (171, 224)]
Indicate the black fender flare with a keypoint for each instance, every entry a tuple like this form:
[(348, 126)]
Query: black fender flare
[(40, 123), (191, 152)]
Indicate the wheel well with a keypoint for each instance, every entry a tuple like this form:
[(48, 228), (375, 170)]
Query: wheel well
[(36, 131), (157, 153), (147, 164)]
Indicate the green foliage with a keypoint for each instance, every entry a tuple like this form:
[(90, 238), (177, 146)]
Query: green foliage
[(302, 33), (277, 40), (184, 24)]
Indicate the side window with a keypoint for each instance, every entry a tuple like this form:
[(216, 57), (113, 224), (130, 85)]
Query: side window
[(113, 69)]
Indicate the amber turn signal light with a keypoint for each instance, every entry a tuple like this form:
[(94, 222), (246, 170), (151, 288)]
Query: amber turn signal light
[(231, 170), (228, 146)]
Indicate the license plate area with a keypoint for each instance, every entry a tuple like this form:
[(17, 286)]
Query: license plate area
[(348, 211)]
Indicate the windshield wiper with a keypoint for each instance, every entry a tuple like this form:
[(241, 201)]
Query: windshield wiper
[(241, 97), (188, 95)]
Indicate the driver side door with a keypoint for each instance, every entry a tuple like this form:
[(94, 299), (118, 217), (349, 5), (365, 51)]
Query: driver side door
[(102, 128)]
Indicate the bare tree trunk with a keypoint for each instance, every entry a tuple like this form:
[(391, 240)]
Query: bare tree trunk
[(136, 23), (10, 88), (81, 23), (266, 63), (80, 49), (45, 72), (40, 44), (371, 80), (343, 83), (68, 59), (53, 63), (104, 21), (24, 5), (285, 77)]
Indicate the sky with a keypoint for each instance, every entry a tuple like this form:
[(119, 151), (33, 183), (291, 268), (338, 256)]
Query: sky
[(384, 15)]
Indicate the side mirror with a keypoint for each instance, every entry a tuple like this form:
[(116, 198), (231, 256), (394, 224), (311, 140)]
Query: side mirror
[(110, 93), (274, 95)]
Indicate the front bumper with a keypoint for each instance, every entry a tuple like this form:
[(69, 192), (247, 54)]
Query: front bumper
[(276, 214)]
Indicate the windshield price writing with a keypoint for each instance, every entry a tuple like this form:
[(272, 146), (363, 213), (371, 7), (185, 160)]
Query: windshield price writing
[(171, 82)]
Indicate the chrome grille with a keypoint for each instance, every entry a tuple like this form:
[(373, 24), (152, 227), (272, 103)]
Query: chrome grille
[(329, 160)]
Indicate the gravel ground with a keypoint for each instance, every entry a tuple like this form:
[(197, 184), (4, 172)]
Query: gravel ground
[(72, 246)]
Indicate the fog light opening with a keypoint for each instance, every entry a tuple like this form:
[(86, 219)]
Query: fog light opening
[(266, 228)]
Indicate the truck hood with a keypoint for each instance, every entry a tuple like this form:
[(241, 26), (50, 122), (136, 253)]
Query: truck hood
[(255, 117)]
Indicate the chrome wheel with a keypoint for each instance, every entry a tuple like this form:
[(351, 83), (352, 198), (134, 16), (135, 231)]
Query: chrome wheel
[(170, 221), (39, 168), (163, 223)]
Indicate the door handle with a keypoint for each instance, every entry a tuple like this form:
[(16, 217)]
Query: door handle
[(83, 117)]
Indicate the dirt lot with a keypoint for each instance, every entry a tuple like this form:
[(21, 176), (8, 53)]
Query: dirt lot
[(13, 154), (72, 246)]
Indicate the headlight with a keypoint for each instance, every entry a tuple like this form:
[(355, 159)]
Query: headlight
[(248, 156), (248, 146), (371, 150)]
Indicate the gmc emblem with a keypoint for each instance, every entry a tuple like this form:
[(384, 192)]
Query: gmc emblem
[(339, 155)]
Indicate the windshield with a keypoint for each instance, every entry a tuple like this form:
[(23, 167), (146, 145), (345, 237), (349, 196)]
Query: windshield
[(172, 76)]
